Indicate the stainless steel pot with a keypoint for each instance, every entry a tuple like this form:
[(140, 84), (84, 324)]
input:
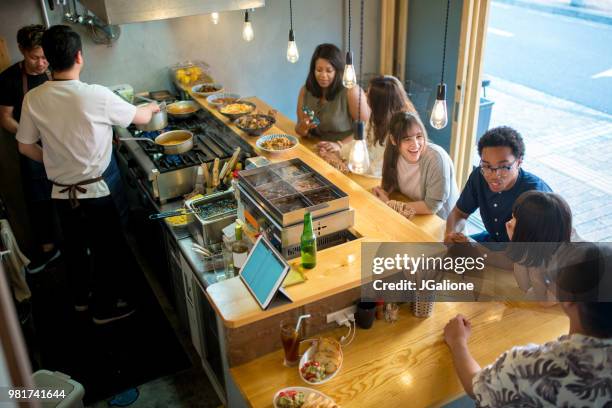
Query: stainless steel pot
[(182, 141), (159, 120), (182, 109)]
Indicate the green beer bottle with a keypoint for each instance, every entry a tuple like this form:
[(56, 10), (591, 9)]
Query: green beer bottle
[(308, 243)]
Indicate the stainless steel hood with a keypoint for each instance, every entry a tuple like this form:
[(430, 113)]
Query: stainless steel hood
[(133, 11)]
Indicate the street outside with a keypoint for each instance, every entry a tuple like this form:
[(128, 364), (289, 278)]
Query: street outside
[(551, 79)]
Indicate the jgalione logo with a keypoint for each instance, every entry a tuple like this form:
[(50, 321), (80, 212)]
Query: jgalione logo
[(412, 264)]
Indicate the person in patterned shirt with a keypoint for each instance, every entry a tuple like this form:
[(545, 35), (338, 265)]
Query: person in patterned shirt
[(573, 371)]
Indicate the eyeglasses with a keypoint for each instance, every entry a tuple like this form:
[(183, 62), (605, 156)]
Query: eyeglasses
[(501, 170)]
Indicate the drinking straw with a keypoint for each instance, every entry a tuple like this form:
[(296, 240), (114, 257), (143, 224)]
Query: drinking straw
[(299, 322)]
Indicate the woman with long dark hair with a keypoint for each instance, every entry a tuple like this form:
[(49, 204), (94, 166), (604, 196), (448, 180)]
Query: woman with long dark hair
[(386, 96), (540, 222), (330, 107), (419, 169)]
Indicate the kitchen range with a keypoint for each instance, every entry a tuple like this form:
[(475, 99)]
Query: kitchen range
[(166, 177)]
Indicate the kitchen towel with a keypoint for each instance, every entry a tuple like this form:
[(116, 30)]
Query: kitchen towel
[(15, 262)]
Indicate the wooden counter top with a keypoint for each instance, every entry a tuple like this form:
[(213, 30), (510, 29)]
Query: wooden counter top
[(338, 268), (407, 364)]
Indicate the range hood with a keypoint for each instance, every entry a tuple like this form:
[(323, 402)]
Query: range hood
[(133, 11)]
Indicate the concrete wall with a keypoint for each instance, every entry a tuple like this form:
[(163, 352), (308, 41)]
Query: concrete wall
[(424, 58), (144, 51)]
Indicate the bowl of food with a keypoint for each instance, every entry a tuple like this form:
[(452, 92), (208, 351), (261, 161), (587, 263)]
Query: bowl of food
[(223, 98), (237, 109), (321, 362), (182, 109), (276, 144), (302, 397), (206, 89), (255, 124)]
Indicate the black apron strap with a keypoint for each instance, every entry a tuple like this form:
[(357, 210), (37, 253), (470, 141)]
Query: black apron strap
[(72, 189)]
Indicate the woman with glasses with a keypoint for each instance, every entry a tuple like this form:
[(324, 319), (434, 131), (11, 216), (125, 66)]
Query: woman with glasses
[(419, 169), (493, 187)]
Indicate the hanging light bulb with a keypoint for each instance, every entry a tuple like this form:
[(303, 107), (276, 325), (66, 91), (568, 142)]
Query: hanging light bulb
[(439, 115), (247, 29), (292, 51), (359, 158), (349, 79), (215, 17)]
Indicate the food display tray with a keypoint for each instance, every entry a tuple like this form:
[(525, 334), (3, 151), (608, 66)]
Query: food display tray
[(289, 189)]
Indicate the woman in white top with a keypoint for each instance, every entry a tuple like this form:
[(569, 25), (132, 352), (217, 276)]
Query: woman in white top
[(419, 169), (386, 96)]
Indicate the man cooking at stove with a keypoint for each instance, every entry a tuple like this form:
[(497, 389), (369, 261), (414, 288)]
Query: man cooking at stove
[(15, 82), (74, 120)]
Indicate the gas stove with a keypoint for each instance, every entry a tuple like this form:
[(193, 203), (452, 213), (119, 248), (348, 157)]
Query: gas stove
[(170, 176)]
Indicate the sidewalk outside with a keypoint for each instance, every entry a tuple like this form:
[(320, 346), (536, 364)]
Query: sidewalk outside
[(568, 145), (592, 10)]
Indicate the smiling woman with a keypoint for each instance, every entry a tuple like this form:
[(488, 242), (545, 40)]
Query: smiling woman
[(325, 108)]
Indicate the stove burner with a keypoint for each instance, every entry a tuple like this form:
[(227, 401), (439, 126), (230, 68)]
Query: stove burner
[(212, 139)]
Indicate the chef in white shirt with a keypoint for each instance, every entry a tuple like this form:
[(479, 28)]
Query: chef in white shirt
[(74, 121)]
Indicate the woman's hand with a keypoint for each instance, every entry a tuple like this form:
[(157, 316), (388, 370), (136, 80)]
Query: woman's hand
[(457, 332), (381, 194), (329, 147), (304, 126)]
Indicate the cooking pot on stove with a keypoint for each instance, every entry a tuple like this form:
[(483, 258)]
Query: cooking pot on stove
[(172, 142), (159, 120)]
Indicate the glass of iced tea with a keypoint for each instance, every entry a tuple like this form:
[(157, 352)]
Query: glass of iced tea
[(291, 342)]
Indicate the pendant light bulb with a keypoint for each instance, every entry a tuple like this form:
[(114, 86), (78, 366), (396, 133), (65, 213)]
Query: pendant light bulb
[(349, 79), (292, 51), (215, 18), (247, 29), (359, 158), (439, 114)]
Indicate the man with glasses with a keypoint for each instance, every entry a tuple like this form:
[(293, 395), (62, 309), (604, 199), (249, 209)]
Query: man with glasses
[(493, 187)]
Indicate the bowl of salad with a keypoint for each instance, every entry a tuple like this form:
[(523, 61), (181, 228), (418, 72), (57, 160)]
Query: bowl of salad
[(321, 362), (302, 397)]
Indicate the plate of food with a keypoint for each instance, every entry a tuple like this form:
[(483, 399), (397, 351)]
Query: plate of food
[(237, 109), (277, 143), (207, 88), (223, 98), (255, 124), (321, 362), (302, 397)]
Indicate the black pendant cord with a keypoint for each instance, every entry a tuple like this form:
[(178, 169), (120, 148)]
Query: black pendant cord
[(291, 15), (445, 33), (360, 60), (349, 25)]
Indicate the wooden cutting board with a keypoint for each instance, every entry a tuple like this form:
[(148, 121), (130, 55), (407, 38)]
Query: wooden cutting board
[(5, 58)]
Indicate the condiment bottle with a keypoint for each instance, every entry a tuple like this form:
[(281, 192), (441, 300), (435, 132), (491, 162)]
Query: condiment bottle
[(308, 243)]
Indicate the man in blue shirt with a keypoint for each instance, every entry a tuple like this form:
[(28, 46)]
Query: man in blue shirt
[(493, 187)]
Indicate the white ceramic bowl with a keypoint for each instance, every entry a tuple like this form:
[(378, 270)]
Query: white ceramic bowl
[(213, 99), (266, 138), (307, 391), (308, 356), (194, 89)]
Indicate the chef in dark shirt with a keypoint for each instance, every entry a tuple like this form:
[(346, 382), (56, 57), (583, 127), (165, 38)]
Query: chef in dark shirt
[(15, 82)]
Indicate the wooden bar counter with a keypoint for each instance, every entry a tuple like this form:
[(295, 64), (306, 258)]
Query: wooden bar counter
[(338, 268), (404, 364), (407, 364)]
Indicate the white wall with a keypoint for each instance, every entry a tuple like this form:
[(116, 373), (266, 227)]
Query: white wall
[(144, 51)]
